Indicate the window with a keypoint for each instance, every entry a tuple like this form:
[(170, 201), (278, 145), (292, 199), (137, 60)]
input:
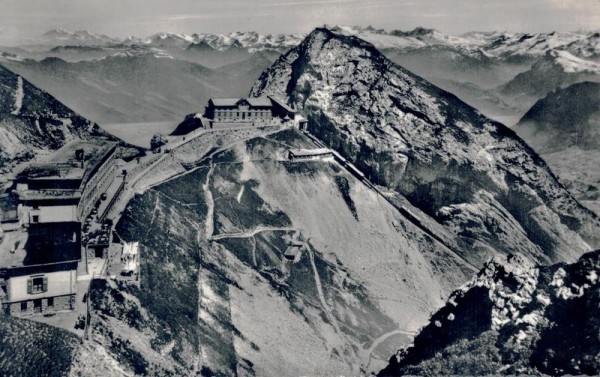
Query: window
[(37, 305), (35, 219), (51, 302), (24, 306), (36, 207), (37, 285)]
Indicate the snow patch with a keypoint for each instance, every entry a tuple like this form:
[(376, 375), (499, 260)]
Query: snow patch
[(239, 195), (18, 97)]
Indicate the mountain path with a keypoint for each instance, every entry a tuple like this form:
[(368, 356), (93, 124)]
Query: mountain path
[(210, 214), (380, 340), (328, 313), (251, 233)]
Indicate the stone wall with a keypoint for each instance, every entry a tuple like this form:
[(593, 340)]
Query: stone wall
[(61, 303)]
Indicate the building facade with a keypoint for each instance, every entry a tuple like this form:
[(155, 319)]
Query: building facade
[(38, 265), (40, 289), (239, 110), (40, 273), (259, 111)]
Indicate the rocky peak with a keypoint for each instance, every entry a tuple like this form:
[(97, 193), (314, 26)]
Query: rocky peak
[(408, 135)]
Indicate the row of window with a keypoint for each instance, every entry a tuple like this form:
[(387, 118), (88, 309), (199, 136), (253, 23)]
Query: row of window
[(37, 305)]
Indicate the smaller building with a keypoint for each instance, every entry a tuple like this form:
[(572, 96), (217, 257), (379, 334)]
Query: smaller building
[(130, 258), (39, 268), (309, 154), (294, 252), (66, 187)]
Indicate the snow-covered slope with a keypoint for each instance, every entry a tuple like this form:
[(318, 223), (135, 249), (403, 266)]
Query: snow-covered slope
[(61, 37), (473, 175)]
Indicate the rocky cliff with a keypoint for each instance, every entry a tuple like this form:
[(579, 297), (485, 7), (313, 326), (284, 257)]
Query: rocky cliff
[(471, 174), (513, 318)]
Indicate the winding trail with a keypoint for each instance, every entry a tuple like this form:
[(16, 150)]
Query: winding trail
[(251, 233), (381, 339), (210, 214)]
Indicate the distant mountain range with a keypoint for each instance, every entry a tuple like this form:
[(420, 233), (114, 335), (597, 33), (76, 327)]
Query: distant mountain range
[(501, 74)]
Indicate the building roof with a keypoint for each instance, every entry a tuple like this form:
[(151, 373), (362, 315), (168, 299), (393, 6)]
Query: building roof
[(233, 102), (224, 101), (49, 194), (41, 244), (282, 104), (310, 152), (53, 243), (94, 151), (260, 101), (62, 165)]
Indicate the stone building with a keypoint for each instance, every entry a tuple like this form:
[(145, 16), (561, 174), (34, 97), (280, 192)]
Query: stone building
[(260, 111), (39, 260), (39, 269), (67, 186)]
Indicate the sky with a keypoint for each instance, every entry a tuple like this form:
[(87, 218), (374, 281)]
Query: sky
[(120, 18)]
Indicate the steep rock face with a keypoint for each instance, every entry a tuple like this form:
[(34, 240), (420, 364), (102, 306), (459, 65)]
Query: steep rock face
[(32, 121), (513, 318), (425, 143)]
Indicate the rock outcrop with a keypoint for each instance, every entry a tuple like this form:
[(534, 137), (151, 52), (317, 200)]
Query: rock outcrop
[(513, 318)]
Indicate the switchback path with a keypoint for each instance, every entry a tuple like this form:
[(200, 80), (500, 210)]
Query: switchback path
[(251, 233)]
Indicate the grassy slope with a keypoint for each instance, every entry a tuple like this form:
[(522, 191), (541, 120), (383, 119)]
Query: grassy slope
[(29, 348), (236, 305)]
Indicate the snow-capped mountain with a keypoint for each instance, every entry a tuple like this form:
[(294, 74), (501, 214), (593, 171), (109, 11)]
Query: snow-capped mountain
[(61, 37), (555, 70), (513, 319), (431, 147), (169, 40)]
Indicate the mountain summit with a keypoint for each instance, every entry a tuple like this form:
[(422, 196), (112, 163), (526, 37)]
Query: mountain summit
[(471, 174)]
